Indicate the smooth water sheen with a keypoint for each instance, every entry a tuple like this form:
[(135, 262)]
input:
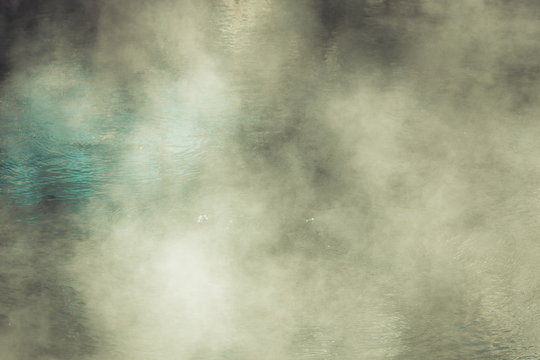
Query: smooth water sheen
[(261, 179)]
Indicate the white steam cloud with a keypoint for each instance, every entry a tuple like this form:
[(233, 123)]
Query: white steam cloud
[(268, 179)]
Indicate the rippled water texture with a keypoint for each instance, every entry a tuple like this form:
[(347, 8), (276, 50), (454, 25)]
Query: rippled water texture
[(268, 179)]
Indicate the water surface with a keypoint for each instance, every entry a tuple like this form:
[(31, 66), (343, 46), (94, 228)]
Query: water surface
[(263, 179)]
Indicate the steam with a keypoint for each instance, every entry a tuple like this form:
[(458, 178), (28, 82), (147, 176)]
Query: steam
[(284, 184)]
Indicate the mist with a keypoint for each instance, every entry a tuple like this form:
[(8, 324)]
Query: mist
[(269, 179)]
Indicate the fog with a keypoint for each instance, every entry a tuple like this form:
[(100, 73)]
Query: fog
[(269, 179)]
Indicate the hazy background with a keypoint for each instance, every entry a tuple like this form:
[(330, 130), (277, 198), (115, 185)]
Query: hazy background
[(269, 179)]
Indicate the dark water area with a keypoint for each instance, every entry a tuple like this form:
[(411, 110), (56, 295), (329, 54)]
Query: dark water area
[(239, 179)]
